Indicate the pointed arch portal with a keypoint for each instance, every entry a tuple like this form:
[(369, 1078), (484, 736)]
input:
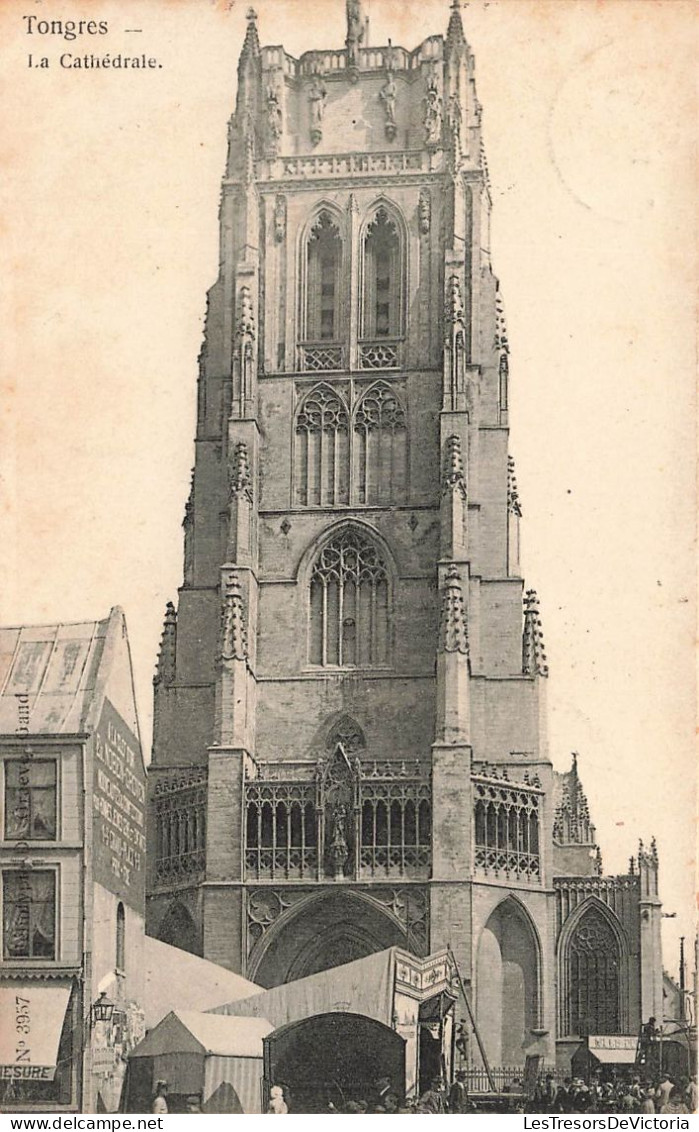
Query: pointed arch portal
[(508, 983), (324, 931)]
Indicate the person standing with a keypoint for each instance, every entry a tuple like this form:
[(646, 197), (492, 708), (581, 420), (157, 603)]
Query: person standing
[(160, 1099), (458, 1094), (563, 1096), (675, 1102), (662, 1093), (546, 1094)]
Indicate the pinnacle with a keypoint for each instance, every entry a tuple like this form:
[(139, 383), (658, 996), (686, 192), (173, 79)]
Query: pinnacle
[(534, 661), (452, 630), (234, 644), (453, 472), (455, 30), (165, 670), (251, 43), (513, 500), (240, 478), (455, 304)]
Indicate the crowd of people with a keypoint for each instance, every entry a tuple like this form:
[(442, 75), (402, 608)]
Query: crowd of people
[(634, 1095), (573, 1095)]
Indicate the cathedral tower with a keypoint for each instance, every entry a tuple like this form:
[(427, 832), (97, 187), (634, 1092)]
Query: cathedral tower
[(349, 747)]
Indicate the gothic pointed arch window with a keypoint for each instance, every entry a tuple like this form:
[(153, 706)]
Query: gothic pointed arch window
[(120, 938), (323, 279), (593, 962), (349, 603), (322, 461), (380, 446), (382, 298)]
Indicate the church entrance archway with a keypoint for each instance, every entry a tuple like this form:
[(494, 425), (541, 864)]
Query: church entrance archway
[(334, 1057), (324, 931), (508, 984)]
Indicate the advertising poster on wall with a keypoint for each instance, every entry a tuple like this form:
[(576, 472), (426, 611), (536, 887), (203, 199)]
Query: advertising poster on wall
[(119, 832)]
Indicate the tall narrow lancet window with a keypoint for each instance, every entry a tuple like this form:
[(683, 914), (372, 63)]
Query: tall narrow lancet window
[(321, 474), (382, 278), (349, 603), (323, 280), (120, 937), (380, 447)]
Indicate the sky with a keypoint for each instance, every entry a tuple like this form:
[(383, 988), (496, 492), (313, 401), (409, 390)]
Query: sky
[(109, 205)]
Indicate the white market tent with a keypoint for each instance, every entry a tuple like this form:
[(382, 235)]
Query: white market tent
[(218, 1057)]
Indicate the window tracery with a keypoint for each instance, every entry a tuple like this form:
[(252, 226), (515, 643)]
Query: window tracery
[(593, 977), (340, 463), (323, 345), (506, 828), (382, 278), (349, 603), (380, 446), (281, 830), (180, 817), (322, 449), (323, 280), (346, 821)]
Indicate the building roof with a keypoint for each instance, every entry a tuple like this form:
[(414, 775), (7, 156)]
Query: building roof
[(178, 980), (53, 677), (189, 1031), (363, 986), (226, 1035)]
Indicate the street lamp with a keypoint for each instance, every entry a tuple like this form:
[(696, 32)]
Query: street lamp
[(103, 1009)]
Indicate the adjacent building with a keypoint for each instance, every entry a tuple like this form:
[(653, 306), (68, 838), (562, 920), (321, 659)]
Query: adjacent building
[(350, 748), (72, 866)]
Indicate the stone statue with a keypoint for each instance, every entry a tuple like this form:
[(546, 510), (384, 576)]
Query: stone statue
[(274, 119), (316, 100), (433, 114), (339, 850), (355, 31), (387, 94), (455, 118), (355, 20)]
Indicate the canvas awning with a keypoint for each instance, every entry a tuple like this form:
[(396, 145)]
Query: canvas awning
[(364, 986), (615, 1049), (614, 1056), (31, 1020)]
